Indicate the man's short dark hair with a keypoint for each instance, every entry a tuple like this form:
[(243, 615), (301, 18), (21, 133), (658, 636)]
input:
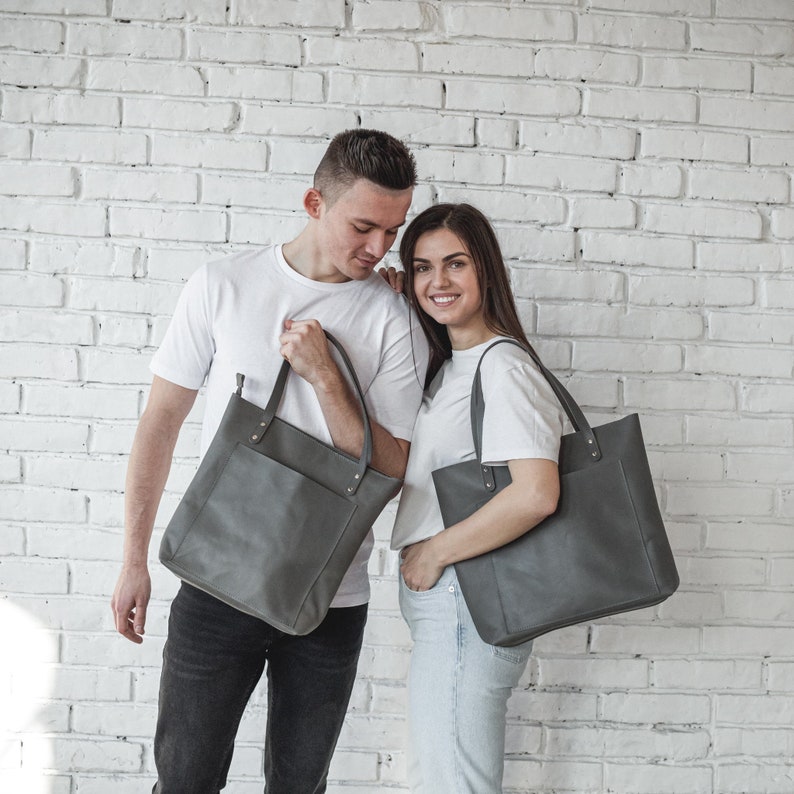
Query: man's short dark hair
[(364, 154)]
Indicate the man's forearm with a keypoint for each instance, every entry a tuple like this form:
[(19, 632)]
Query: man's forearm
[(343, 416)]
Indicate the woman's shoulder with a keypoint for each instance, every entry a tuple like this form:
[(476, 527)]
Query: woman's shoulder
[(504, 355)]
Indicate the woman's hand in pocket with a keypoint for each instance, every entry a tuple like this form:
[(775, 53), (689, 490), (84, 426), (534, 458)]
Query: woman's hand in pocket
[(419, 565)]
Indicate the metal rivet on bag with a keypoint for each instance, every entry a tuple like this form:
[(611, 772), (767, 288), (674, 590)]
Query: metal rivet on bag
[(488, 484), (263, 424), (254, 438), (357, 477), (594, 454), (350, 490), (589, 440)]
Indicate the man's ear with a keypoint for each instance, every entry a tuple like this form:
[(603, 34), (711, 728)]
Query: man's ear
[(313, 203)]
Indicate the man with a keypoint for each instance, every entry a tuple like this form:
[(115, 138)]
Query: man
[(242, 314)]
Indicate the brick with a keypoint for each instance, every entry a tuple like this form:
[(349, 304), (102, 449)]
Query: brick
[(76, 474), (158, 224), (753, 114), (533, 99), (704, 221), (123, 331), (236, 46), (461, 167), (79, 755), (361, 53), (291, 13), (691, 291), (33, 180), (561, 173), (594, 213), (632, 32), (296, 157), (708, 73), (736, 431), (616, 322), (112, 366), (149, 186), (684, 466), (30, 290), (694, 145), (773, 79), (755, 327), (760, 467), (173, 114), (692, 608), (37, 35), (747, 257), (84, 146), (304, 122), (683, 500), (123, 296), (658, 778), (747, 536), (760, 742), (772, 151), (509, 205), (771, 607), (626, 357), (136, 41), (85, 258), (656, 709), (640, 105), (707, 674), (627, 249), (146, 78), (386, 15), (547, 283), (770, 779), (776, 10), (15, 143), (777, 294), (698, 8), (522, 773), (751, 709), (783, 223), (35, 361), (774, 398), (598, 66), (29, 504), (508, 23), (127, 719), (420, 127), (591, 140), (756, 40), (478, 60), (40, 326), (248, 155), (771, 187), (168, 10), (83, 220), (263, 228), (273, 193), (10, 470), (52, 399), (651, 180), (366, 89), (738, 360), (593, 674), (51, 7), (41, 71), (655, 743), (60, 108), (679, 394)]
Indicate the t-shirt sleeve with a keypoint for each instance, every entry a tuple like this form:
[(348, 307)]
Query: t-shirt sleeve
[(522, 418), (396, 392), (187, 349)]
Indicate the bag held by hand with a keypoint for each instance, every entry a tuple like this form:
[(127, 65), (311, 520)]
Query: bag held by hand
[(274, 517), (602, 552)]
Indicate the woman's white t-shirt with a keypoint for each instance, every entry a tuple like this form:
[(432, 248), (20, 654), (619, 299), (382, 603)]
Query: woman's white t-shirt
[(522, 419)]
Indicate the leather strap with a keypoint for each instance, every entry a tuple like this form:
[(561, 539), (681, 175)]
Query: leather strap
[(569, 405), (270, 409)]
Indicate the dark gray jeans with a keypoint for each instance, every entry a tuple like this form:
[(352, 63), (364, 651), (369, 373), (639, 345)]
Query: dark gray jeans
[(213, 658)]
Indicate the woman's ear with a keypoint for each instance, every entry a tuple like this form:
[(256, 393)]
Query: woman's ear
[(313, 203)]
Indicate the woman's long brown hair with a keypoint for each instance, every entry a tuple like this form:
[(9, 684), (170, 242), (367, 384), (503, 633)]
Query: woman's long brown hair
[(477, 234)]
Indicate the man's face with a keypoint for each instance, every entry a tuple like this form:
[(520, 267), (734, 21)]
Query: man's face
[(358, 229)]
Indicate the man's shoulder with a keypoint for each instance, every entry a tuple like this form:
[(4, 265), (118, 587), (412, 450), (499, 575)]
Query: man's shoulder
[(241, 264)]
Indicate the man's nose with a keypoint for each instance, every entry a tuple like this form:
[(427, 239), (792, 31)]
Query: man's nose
[(377, 245)]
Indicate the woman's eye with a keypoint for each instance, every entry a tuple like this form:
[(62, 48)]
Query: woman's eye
[(421, 268)]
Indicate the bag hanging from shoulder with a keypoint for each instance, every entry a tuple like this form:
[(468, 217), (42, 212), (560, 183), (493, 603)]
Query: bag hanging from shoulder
[(602, 552), (273, 517)]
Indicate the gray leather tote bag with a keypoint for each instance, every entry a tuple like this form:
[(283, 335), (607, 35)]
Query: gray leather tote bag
[(603, 551), (274, 517)]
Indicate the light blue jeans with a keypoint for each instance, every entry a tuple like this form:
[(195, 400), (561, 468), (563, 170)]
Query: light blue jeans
[(458, 687)]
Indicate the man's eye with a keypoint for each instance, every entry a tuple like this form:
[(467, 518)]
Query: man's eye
[(360, 231)]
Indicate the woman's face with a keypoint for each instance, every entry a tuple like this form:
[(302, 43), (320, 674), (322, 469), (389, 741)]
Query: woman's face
[(446, 287)]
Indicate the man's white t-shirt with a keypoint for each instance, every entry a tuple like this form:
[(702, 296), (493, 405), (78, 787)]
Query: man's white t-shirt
[(228, 319), (522, 419)]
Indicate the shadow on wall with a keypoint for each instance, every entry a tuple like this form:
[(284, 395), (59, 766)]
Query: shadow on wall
[(27, 673)]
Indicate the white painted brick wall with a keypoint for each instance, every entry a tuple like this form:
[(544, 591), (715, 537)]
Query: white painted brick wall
[(637, 159)]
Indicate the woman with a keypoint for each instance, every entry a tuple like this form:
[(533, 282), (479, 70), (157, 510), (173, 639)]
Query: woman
[(459, 685)]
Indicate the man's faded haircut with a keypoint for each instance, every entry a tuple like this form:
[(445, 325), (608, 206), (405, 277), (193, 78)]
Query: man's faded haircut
[(364, 154)]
